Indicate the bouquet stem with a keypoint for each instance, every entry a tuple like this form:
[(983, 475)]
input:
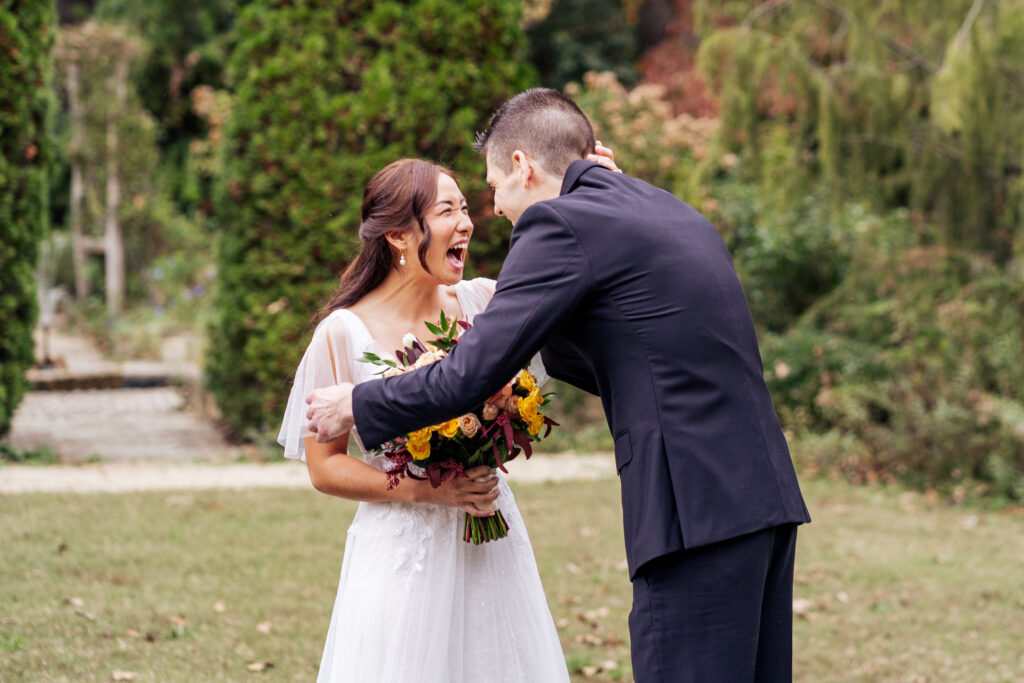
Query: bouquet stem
[(479, 530)]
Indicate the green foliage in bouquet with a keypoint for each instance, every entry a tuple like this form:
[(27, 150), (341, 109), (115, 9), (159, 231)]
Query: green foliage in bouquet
[(327, 94), (27, 30)]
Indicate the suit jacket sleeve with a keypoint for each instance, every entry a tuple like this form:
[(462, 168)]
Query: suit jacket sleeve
[(545, 277)]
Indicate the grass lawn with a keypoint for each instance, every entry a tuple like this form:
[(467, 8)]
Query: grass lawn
[(218, 585)]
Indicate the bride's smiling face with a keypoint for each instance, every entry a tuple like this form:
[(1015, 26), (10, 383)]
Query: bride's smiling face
[(450, 230)]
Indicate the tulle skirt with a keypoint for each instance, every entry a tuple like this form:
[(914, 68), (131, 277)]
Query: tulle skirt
[(416, 604)]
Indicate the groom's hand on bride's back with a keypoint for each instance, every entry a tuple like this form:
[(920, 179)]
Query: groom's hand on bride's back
[(330, 412)]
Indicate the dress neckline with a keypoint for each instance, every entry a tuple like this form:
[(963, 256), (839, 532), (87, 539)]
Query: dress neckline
[(458, 287)]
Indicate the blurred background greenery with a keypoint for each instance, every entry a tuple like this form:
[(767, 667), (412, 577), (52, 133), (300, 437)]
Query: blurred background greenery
[(862, 160)]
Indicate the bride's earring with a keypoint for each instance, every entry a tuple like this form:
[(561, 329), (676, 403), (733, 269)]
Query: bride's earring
[(401, 261)]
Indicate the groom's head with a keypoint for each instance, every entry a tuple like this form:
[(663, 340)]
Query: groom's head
[(529, 144)]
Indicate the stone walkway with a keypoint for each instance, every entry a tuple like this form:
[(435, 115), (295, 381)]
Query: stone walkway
[(149, 439), (115, 423), (162, 476), (118, 424)]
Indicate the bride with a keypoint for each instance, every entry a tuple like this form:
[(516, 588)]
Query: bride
[(416, 603)]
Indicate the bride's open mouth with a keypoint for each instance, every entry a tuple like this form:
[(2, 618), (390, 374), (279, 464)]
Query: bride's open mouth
[(457, 254)]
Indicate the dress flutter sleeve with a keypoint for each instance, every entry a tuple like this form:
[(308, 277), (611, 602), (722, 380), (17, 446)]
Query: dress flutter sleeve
[(327, 361)]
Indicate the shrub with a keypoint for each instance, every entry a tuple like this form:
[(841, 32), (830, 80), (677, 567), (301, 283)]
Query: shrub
[(26, 36), (915, 359), (577, 36), (326, 94)]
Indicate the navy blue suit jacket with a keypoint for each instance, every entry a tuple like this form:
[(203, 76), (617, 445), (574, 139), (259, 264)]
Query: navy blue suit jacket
[(629, 293)]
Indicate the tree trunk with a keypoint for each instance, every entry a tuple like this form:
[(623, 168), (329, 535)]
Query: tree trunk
[(78, 248), (115, 269)]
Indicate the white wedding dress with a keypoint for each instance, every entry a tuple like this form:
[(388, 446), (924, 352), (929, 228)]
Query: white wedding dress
[(415, 603)]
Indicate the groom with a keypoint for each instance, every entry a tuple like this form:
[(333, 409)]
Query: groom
[(630, 294)]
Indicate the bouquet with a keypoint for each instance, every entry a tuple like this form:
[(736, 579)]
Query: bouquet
[(495, 432)]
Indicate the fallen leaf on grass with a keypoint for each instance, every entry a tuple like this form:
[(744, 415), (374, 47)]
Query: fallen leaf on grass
[(219, 606), (590, 671), (76, 602), (574, 568), (562, 623), (589, 639), (133, 633), (118, 675), (263, 627), (260, 666), (802, 606)]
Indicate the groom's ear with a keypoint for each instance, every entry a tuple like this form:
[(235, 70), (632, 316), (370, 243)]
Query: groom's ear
[(524, 163)]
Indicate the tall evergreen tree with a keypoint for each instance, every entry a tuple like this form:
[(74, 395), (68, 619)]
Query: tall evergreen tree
[(26, 36), (328, 93)]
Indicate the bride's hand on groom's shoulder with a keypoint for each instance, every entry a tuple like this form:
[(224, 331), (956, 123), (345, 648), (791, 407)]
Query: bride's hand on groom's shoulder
[(466, 491), (330, 412), (604, 156)]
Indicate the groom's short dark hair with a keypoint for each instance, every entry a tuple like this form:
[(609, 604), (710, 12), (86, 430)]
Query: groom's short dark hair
[(542, 122)]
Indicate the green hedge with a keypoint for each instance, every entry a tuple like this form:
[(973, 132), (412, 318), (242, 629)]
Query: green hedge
[(26, 37), (328, 93)]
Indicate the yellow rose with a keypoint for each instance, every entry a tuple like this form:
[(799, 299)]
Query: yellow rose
[(528, 408), (527, 381), (419, 450), (536, 395), (469, 424), (448, 429), (535, 425), (421, 435)]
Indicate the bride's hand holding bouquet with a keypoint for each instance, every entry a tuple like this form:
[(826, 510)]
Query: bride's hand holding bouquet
[(464, 450)]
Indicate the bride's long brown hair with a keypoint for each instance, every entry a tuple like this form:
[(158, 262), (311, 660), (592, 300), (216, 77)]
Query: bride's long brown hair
[(396, 198)]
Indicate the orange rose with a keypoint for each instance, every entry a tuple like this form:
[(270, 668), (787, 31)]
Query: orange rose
[(490, 411), (501, 398)]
